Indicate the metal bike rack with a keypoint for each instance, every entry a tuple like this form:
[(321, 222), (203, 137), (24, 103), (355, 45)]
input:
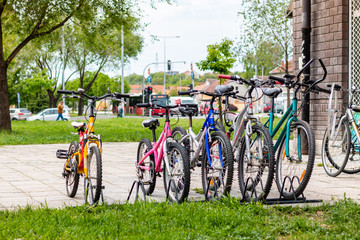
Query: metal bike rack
[(101, 200), (172, 181), (139, 184), (251, 180), (208, 187)]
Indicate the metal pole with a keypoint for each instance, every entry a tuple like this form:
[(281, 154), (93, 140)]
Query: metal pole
[(63, 59), (122, 67), (306, 40), (164, 65)]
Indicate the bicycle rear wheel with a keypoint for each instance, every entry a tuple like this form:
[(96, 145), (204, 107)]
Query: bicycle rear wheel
[(217, 172), (178, 174), (177, 133), (336, 149), (257, 173), (93, 181), (353, 163), (293, 169), (72, 177), (146, 175)]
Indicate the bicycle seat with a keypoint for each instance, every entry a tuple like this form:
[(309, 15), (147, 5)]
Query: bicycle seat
[(272, 92), (78, 124), (336, 87), (289, 76), (222, 89), (151, 123), (187, 111)]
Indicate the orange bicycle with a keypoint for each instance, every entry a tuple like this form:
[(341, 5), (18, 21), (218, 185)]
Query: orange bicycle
[(84, 158)]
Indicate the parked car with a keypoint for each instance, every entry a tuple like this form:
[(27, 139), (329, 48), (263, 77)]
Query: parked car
[(267, 107), (183, 100), (205, 106), (19, 114), (50, 114)]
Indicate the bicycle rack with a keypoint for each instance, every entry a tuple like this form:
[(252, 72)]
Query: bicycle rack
[(251, 180), (172, 181), (139, 183), (208, 187), (295, 200), (101, 200)]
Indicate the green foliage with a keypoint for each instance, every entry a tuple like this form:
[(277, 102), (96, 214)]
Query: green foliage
[(219, 59), (267, 34), (227, 219)]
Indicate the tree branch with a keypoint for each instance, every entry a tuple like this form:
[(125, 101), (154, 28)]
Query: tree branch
[(2, 6), (96, 74)]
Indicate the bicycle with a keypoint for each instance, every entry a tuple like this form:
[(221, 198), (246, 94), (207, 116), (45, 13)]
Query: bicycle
[(340, 148), (85, 157), (150, 156), (296, 142), (252, 145), (210, 148)]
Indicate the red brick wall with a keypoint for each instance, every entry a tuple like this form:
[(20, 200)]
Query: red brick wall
[(329, 41)]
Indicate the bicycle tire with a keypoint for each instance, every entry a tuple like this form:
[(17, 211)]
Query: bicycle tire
[(254, 170), (150, 176), (176, 154), (295, 168), (353, 163), (72, 179), (93, 181), (225, 171), (334, 155), (177, 133)]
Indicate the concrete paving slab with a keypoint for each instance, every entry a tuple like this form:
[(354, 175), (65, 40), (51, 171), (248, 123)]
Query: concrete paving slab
[(34, 177)]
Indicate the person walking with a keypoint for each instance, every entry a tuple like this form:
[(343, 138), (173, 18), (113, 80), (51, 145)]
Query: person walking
[(60, 111)]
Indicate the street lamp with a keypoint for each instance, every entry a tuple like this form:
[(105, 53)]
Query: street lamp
[(164, 37)]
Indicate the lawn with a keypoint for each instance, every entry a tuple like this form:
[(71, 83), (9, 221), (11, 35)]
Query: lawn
[(111, 130), (221, 220)]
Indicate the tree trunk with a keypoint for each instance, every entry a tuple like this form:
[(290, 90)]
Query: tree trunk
[(81, 106), (5, 122), (52, 99)]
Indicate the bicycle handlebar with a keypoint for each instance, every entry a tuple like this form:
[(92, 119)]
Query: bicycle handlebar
[(185, 92), (81, 92)]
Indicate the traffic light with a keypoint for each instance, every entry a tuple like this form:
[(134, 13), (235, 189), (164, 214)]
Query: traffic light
[(169, 65), (191, 87), (149, 90)]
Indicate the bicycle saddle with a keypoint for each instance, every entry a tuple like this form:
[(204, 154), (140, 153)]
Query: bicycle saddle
[(272, 92), (151, 123), (336, 87), (78, 124), (223, 89), (187, 111)]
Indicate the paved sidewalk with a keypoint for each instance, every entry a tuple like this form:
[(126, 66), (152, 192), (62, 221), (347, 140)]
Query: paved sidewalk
[(31, 174)]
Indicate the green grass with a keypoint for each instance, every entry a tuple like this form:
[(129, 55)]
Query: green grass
[(222, 220), (111, 130)]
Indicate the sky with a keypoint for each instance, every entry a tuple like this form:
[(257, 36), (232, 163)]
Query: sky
[(197, 22)]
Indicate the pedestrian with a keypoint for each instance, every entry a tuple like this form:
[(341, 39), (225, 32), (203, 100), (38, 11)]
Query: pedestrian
[(60, 111)]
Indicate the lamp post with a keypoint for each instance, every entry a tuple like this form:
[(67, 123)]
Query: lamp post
[(164, 37)]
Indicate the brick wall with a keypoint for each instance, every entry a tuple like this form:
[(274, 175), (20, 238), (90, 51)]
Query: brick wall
[(329, 41)]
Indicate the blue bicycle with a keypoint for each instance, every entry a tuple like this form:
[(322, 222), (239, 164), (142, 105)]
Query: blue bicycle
[(210, 148)]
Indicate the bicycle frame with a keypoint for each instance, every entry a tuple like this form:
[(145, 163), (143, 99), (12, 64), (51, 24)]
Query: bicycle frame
[(160, 144), (289, 116)]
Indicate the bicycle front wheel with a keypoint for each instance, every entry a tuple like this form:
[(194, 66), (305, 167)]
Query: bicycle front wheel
[(177, 173), (72, 177), (294, 168), (217, 172), (336, 149), (256, 165), (93, 181)]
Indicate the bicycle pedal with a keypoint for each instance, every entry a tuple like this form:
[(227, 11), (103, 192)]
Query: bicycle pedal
[(158, 175), (198, 164), (65, 174), (102, 187)]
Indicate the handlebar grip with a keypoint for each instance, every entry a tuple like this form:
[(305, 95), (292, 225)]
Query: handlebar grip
[(119, 95), (281, 80), (224, 76), (185, 92), (145, 105), (66, 92)]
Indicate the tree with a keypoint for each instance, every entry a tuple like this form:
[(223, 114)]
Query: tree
[(24, 21), (219, 59), (265, 21)]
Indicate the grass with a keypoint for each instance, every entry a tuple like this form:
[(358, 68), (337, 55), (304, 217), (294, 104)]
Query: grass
[(222, 220), (111, 130)]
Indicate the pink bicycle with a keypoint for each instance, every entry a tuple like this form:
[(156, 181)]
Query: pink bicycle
[(150, 156)]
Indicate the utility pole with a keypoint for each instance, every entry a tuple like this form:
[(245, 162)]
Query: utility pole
[(122, 67), (63, 59), (305, 51)]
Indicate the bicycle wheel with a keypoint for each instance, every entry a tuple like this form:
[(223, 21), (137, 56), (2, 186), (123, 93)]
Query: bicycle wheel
[(353, 163), (72, 177), (336, 149), (256, 173), (178, 174), (217, 172), (93, 181), (177, 133), (293, 172), (146, 175)]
